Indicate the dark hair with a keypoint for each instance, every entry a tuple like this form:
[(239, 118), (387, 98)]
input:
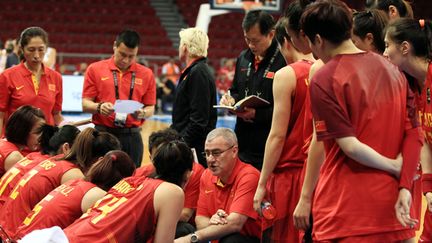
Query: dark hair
[(130, 38), (264, 20), (293, 14), (172, 160), (113, 167), (21, 122), (281, 32), (403, 7), (31, 32), (406, 29), (53, 137), (372, 21), (331, 19), (90, 145), (163, 136)]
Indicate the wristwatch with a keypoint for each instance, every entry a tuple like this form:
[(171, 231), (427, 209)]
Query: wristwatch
[(194, 238)]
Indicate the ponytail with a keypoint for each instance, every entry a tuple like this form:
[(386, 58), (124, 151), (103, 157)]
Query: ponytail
[(113, 167), (417, 33), (47, 132)]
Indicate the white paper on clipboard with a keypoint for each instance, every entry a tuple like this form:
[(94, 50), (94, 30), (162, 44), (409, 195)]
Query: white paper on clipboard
[(127, 106)]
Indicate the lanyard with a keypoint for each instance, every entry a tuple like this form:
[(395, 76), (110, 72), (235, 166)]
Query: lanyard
[(116, 85), (264, 75)]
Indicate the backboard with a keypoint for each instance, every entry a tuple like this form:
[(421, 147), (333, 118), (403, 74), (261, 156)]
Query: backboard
[(268, 5)]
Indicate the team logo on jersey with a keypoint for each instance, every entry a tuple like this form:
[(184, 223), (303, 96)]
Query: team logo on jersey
[(320, 126), (138, 81), (270, 75), (52, 87), (20, 87), (104, 78)]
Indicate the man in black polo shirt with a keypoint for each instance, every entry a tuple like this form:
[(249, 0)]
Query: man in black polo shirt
[(254, 74)]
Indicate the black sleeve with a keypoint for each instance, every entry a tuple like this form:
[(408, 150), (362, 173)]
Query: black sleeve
[(200, 100), (264, 115)]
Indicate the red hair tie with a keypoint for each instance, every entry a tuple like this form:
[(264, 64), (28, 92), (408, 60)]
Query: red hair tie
[(113, 157), (422, 23)]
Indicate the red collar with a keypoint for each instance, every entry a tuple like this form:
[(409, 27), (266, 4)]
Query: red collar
[(113, 67)]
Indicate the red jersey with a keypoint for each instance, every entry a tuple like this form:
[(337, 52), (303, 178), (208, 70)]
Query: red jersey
[(18, 89), (292, 154), (365, 96), (99, 84), (14, 174), (31, 188), (424, 106), (125, 214), (191, 190), (61, 207), (6, 148), (236, 196)]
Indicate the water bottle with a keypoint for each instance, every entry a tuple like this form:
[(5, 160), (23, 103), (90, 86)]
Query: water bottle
[(268, 211)]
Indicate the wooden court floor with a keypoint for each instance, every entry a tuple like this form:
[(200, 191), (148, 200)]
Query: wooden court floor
[(149, 127)]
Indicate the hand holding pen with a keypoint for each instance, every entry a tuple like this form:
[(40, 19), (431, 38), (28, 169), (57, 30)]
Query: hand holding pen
[(227, 99)]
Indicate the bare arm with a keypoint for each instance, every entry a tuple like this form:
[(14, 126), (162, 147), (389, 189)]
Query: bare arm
[(90, 106), (91, 197), (72, 174), (202, 222), (144, 112), (168, 203), (315, 159), (12, 159), (186, 214), (234, 223), (284, 85), (367, 156), (58, 118)]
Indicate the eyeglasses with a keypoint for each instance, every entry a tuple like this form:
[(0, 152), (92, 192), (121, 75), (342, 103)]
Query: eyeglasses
[(253, 41), (215, 153)]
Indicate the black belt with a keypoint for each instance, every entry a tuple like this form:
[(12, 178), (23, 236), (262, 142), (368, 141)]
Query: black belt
[(118, 130)]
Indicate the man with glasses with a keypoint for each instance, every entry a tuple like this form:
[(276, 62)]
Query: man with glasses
[(225, 211), (254, 74)]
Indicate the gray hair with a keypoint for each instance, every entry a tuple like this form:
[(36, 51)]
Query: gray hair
[(227, 134), (195, 40)]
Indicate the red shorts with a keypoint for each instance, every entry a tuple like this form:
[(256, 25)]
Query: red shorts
[(284, 189), (426, 235)]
